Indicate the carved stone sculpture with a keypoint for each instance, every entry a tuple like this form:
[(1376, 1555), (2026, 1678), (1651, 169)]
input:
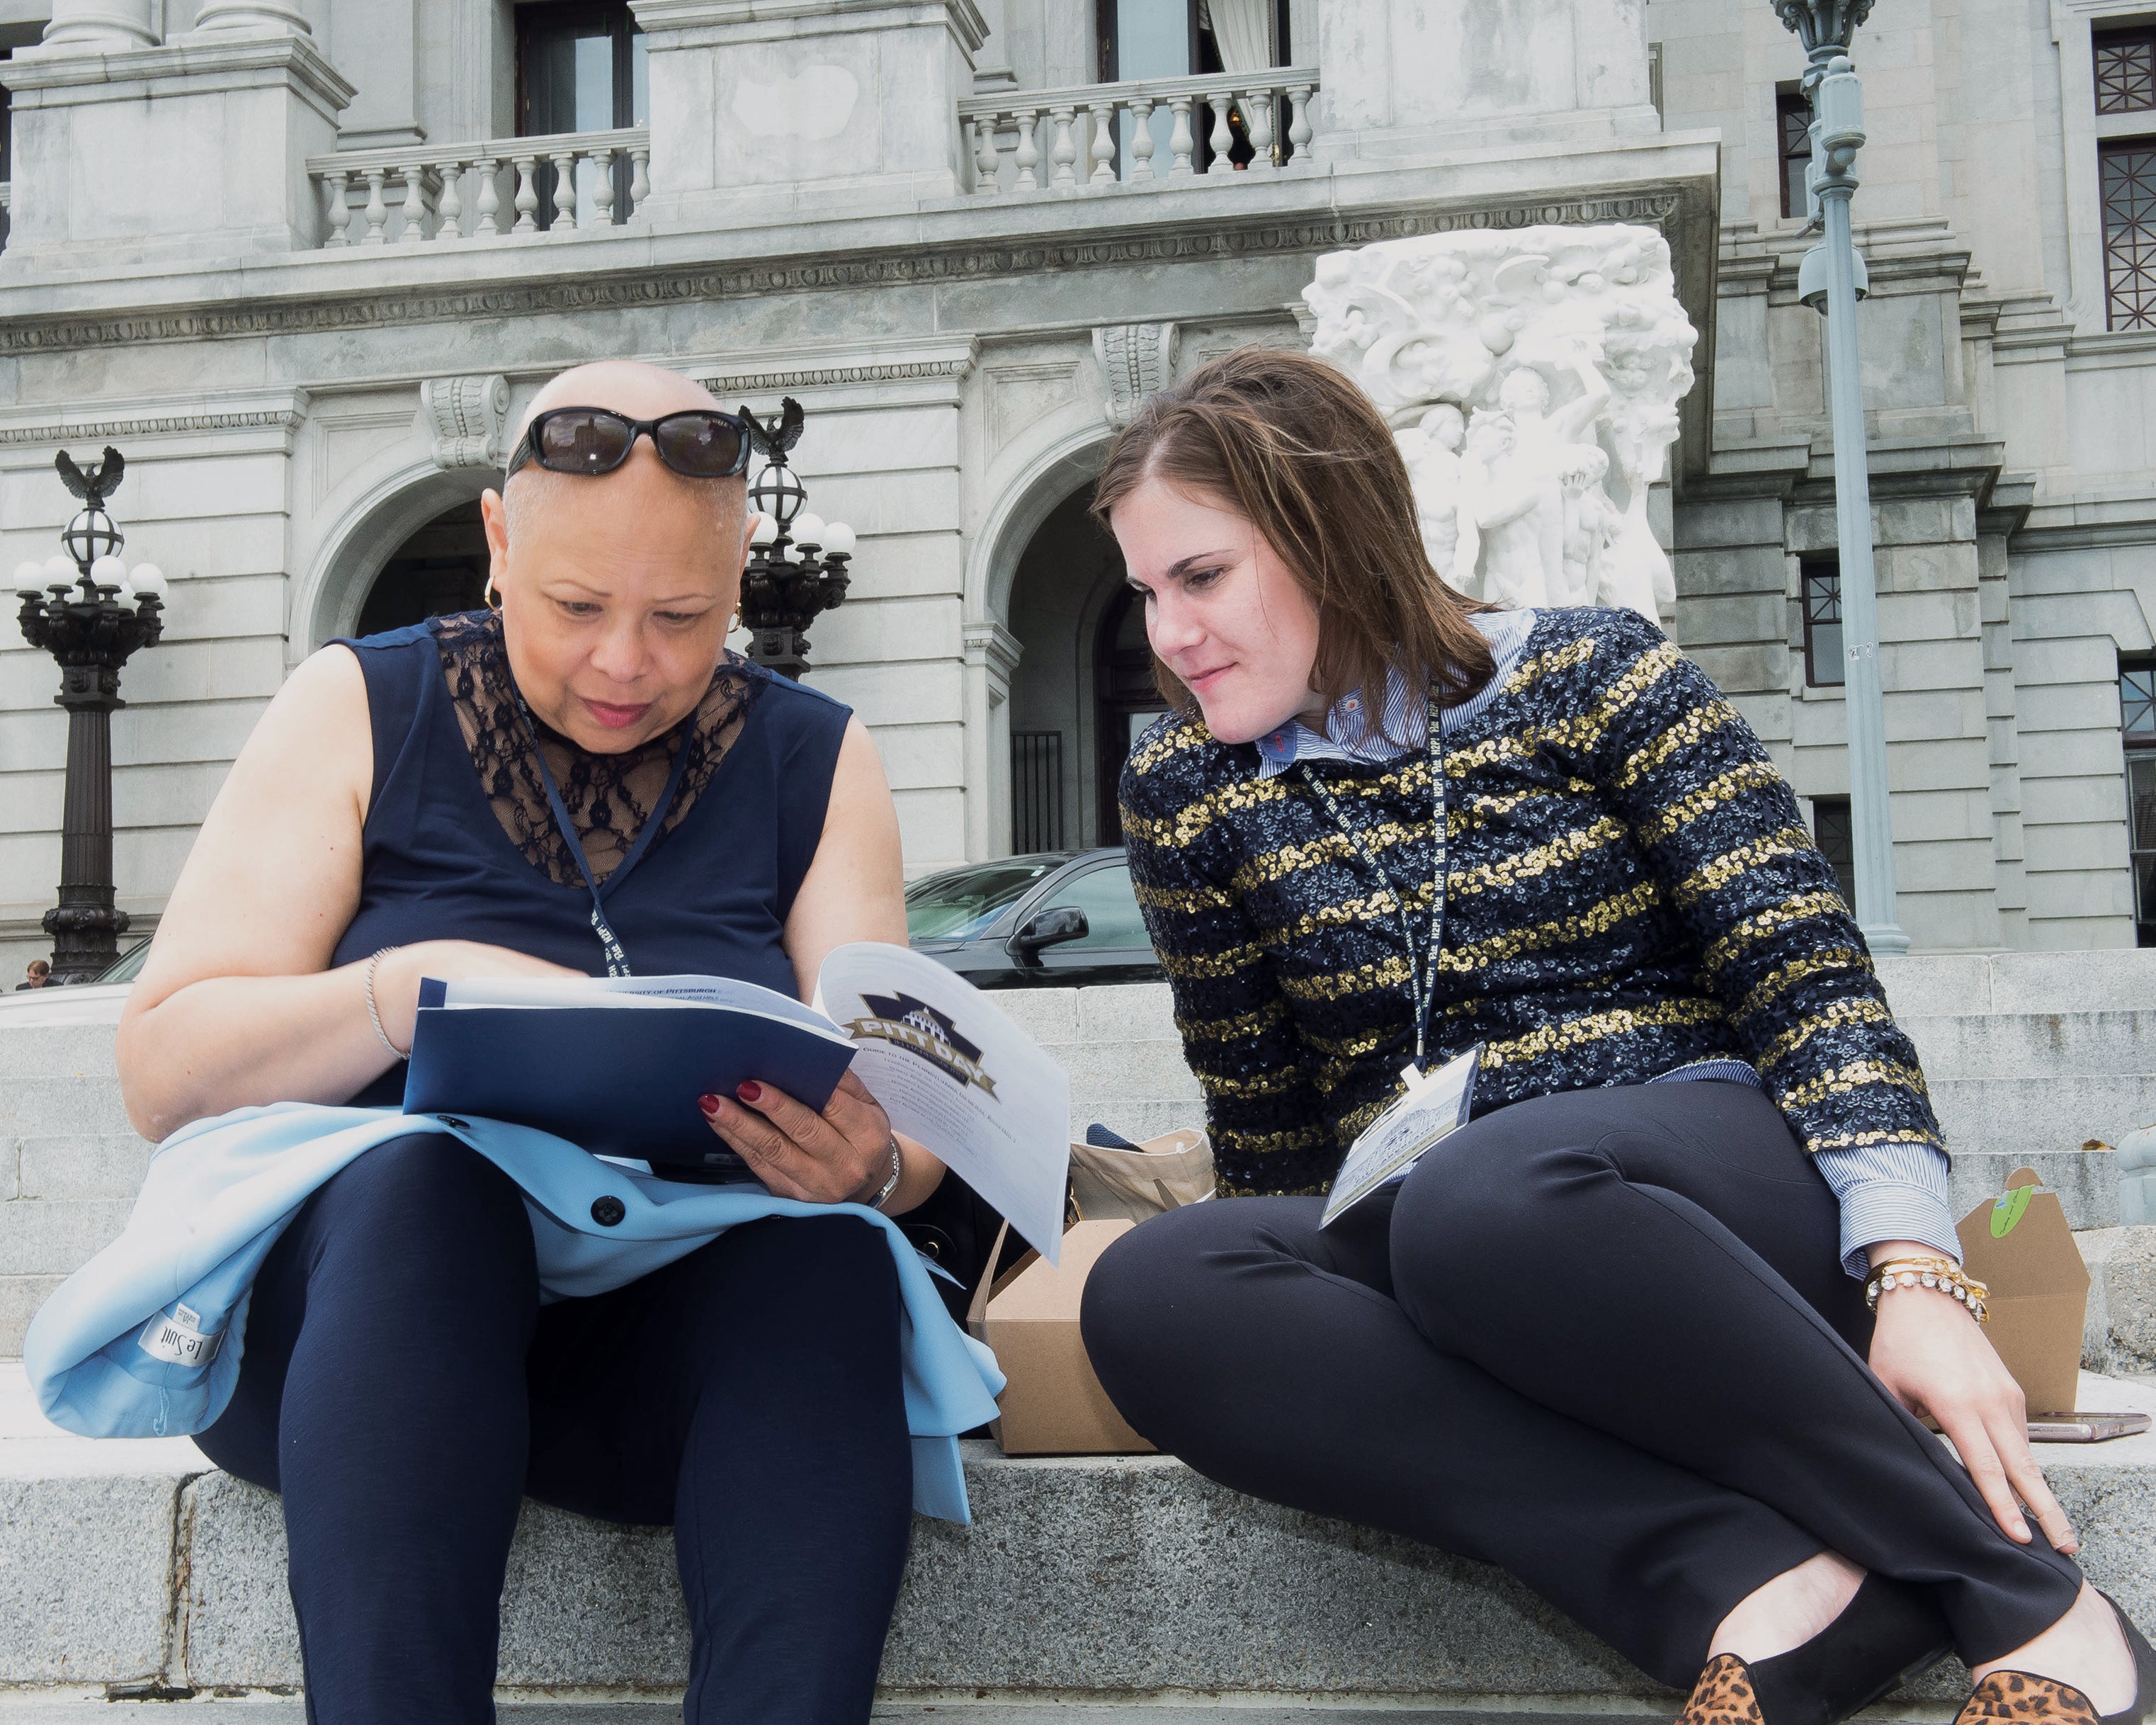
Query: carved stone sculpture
[(1136, 360), (1533, 375), (468, 415)]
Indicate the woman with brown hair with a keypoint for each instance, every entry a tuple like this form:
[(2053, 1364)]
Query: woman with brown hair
[(1614, 1333)]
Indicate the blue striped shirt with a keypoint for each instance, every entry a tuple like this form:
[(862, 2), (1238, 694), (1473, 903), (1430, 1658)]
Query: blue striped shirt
[(1887, 1191)]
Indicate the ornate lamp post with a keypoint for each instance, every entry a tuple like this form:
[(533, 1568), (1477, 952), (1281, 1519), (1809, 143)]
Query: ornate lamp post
[(1831, 281), (781, 595), (79, 618)]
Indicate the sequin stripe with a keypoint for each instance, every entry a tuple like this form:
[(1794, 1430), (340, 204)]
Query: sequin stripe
[(1228, 1189), (1854, 1010), (1698, 722), (1574, 1033), (1275, 865), (1722, 788), (1860, 1141), (1340, 984), (1472, 811), (1531, 671), (1356, 1118), (1183, 826), (1843, 1079), (1173, 740), (1713, 876), (1796, 971), (1798, 907), (1348, 912), (1539, 860), (1279, 1082), (1597, 919), (1583, 732), (1210, 965), (1231, 1030), (1236, 1141), (1188, 901)]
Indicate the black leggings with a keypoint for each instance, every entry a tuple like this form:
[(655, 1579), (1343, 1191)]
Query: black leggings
[(1601, 1339), (404, 1390)]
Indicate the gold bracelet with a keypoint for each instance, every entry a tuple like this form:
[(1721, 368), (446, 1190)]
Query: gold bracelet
[(1941, 1275)]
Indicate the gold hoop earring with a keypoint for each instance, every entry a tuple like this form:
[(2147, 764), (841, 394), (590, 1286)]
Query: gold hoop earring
[(487, 592), (736, 624)]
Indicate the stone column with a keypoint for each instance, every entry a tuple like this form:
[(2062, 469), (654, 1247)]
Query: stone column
[(257, 17), (761, 117), (84, 24)]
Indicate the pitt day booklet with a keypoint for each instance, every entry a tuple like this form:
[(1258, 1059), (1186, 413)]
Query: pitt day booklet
[(616, 1064), (1433, 1106)]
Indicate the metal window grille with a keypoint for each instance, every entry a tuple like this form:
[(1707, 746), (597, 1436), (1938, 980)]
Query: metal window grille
[(1036, 790), (2126, 178), (1836, 839), (2126, 71), (1793, 117), (1819, 586), (2137, 705)]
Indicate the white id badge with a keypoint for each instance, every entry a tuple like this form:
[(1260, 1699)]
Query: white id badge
[(1434, 1104)]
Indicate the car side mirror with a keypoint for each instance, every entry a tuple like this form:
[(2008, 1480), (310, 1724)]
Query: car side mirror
[(1050, 928)]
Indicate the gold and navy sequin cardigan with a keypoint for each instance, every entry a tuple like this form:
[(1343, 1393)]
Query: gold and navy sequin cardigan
[(1630, 888)]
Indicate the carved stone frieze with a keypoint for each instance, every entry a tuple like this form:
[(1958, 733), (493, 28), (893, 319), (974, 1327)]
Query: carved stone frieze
[(1136, 360), (468, 414)]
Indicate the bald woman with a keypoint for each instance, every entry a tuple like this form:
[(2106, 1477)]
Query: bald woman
[(394, 816)]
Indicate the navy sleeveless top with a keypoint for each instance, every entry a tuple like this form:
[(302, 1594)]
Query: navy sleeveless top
[(709, 896)]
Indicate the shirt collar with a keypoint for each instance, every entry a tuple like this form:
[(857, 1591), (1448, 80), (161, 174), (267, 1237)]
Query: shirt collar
[(1352, 733)]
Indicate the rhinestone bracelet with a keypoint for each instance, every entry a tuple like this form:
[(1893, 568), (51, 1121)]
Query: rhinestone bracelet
[(1941, 1274)]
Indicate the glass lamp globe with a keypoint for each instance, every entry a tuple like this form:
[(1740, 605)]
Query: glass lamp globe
[(147, 583), (838, 540), (28, 576), (764, 531), (778, 492), (60, 569), (90, 536), (809, 529), (108, 571)]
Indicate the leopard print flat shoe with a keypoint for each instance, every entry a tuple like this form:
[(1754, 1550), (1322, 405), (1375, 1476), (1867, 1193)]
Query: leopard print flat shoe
[(1886, 1634), (2021, 1698)]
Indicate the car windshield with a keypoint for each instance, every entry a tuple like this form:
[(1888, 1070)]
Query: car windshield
[(961, 902), (128, 965)]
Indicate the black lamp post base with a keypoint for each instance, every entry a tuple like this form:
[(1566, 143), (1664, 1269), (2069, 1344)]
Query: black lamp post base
[(85, 937)]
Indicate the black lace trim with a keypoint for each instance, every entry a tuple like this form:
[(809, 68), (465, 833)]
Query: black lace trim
[(608, 797)]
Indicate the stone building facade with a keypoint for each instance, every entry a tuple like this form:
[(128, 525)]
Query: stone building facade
[(302, 261)]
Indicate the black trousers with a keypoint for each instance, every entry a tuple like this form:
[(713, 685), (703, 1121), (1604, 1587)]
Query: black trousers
[(403, 1389), (1601, 1339)]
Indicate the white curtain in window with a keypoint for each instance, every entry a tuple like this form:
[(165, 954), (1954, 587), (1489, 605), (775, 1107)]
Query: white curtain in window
[(1243, 30)]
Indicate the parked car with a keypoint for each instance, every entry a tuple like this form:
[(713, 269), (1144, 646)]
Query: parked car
[(97, 1003), (1059, 919)]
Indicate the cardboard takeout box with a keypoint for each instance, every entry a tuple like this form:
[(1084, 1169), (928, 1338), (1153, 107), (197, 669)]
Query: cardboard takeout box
[(1053, 1404), (2020, 1245)]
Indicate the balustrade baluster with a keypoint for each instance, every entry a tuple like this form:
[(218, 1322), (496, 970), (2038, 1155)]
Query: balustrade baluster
[(414, 231), (1258, 115), (377, 212), (527, 194), (1104, 144), (565, 192), (1298, 122), (1223, 139), (450, 209), (1181, 143), (639, 174), (602, 189), (490, 196), (1064, 151), (339, 211), (985, 159), (1140, 138), (1029, 149)]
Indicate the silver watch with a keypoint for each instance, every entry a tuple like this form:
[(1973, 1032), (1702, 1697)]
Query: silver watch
[(891, 1185)]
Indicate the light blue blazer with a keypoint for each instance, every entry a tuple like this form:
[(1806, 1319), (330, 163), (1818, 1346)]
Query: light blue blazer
[(146, 1339)]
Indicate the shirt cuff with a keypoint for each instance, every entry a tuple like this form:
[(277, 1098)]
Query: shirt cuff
[(1890, 1192)]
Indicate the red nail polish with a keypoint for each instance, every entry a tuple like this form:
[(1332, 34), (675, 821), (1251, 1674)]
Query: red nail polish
[(709, 1104), (748, 1090)]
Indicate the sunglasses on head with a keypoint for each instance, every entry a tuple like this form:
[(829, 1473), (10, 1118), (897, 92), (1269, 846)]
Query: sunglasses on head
[(699, 443)]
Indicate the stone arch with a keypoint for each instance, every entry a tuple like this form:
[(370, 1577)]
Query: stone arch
[(362, 537)]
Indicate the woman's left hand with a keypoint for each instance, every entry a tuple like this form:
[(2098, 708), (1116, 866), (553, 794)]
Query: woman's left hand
[(1935, 1358), (837, 1156)]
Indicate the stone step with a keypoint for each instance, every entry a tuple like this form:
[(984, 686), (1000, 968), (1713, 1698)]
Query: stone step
[(2028, 1117), (2112, 979), (2030, 1045), (1107, 1579), (31, 1708)]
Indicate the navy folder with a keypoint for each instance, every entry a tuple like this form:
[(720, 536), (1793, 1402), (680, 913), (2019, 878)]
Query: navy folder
[(616, 1081)]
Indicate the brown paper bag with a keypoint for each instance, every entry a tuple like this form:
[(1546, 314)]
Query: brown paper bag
[(1162, 1173), (2020, 1245), (1053, 1404)]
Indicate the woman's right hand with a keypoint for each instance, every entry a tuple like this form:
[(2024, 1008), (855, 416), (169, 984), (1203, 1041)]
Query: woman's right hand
[(397, 978)]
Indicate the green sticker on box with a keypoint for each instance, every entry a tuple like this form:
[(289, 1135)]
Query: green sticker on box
[(2009, 1210)]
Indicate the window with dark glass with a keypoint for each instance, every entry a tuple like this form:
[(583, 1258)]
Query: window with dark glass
[(2125, 71), (1126, 699), (581, 67), (2125, 179), (1836, 839), (1818, 587), (1793, 116), (2137, 705)]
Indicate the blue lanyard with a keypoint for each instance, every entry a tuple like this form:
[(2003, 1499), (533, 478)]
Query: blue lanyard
[(617, 960), (1422, 968)]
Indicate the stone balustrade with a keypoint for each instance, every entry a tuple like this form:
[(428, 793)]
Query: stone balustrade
[(1062, 142), (420, 194)]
